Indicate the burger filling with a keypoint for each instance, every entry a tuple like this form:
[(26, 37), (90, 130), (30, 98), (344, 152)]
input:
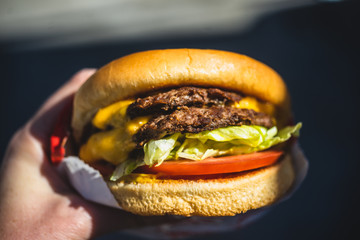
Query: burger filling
[(185, 123)]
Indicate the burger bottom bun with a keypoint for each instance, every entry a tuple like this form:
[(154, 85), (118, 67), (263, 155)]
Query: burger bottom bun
[(227, 195)]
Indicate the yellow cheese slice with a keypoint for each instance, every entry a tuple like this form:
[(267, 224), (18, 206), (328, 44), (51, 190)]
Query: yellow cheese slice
[(113, 146), (252, 103), (112, 115)]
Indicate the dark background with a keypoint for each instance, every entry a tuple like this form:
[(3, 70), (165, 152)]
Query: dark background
[(316, 50)]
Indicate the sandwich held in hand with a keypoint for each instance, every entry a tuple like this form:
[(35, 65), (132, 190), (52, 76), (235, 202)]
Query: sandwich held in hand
[(187, 132)]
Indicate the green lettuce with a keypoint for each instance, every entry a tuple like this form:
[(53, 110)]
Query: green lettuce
[(232, 140), (159, 150), (126, 168)]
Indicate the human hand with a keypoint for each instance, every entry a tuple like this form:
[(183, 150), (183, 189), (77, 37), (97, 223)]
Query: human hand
[(35, 201)]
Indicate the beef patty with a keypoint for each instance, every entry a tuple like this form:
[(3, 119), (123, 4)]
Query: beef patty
[(185, 96), (191, 110), (195, 120)]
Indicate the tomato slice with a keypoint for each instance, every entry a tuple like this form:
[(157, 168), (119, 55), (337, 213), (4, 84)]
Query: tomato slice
[(227, 164)]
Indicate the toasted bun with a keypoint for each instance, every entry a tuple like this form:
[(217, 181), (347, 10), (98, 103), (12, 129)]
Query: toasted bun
[(145, 71), (236, 193)]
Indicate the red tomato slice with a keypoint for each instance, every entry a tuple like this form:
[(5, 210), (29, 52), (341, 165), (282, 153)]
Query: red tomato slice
[(227, 164)]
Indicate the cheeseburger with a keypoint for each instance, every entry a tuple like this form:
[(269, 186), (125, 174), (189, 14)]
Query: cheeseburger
[(187, 132)]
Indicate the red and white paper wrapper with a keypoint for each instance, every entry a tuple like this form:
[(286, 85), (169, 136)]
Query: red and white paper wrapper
[(90, 184)]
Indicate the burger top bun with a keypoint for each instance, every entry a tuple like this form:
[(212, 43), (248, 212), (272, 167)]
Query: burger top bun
[(141, 72)]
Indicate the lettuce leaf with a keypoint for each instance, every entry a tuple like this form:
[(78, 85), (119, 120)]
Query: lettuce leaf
[(126, 168), (248, 135), (230, 140), (159, 150)]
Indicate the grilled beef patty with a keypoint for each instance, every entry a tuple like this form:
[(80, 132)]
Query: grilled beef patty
[(195, 120), (185, 96)]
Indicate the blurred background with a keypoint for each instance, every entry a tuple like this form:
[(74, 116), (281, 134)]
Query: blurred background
[(314, 45)]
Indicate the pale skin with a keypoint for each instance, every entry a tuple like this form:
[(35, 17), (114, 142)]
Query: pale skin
[(35, 201)]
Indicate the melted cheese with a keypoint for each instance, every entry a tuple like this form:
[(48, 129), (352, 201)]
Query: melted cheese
[(112, 146), (252, 103), (140, 178), (134, 125), (112, 115)]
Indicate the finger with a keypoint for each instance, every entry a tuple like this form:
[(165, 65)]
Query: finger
[(42, 123), (107, 220)]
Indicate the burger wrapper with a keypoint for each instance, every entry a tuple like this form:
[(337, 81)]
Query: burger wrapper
[(90, 184)]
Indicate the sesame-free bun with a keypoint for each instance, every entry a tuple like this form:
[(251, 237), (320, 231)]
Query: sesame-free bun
[(224, 196), (141, 72)]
